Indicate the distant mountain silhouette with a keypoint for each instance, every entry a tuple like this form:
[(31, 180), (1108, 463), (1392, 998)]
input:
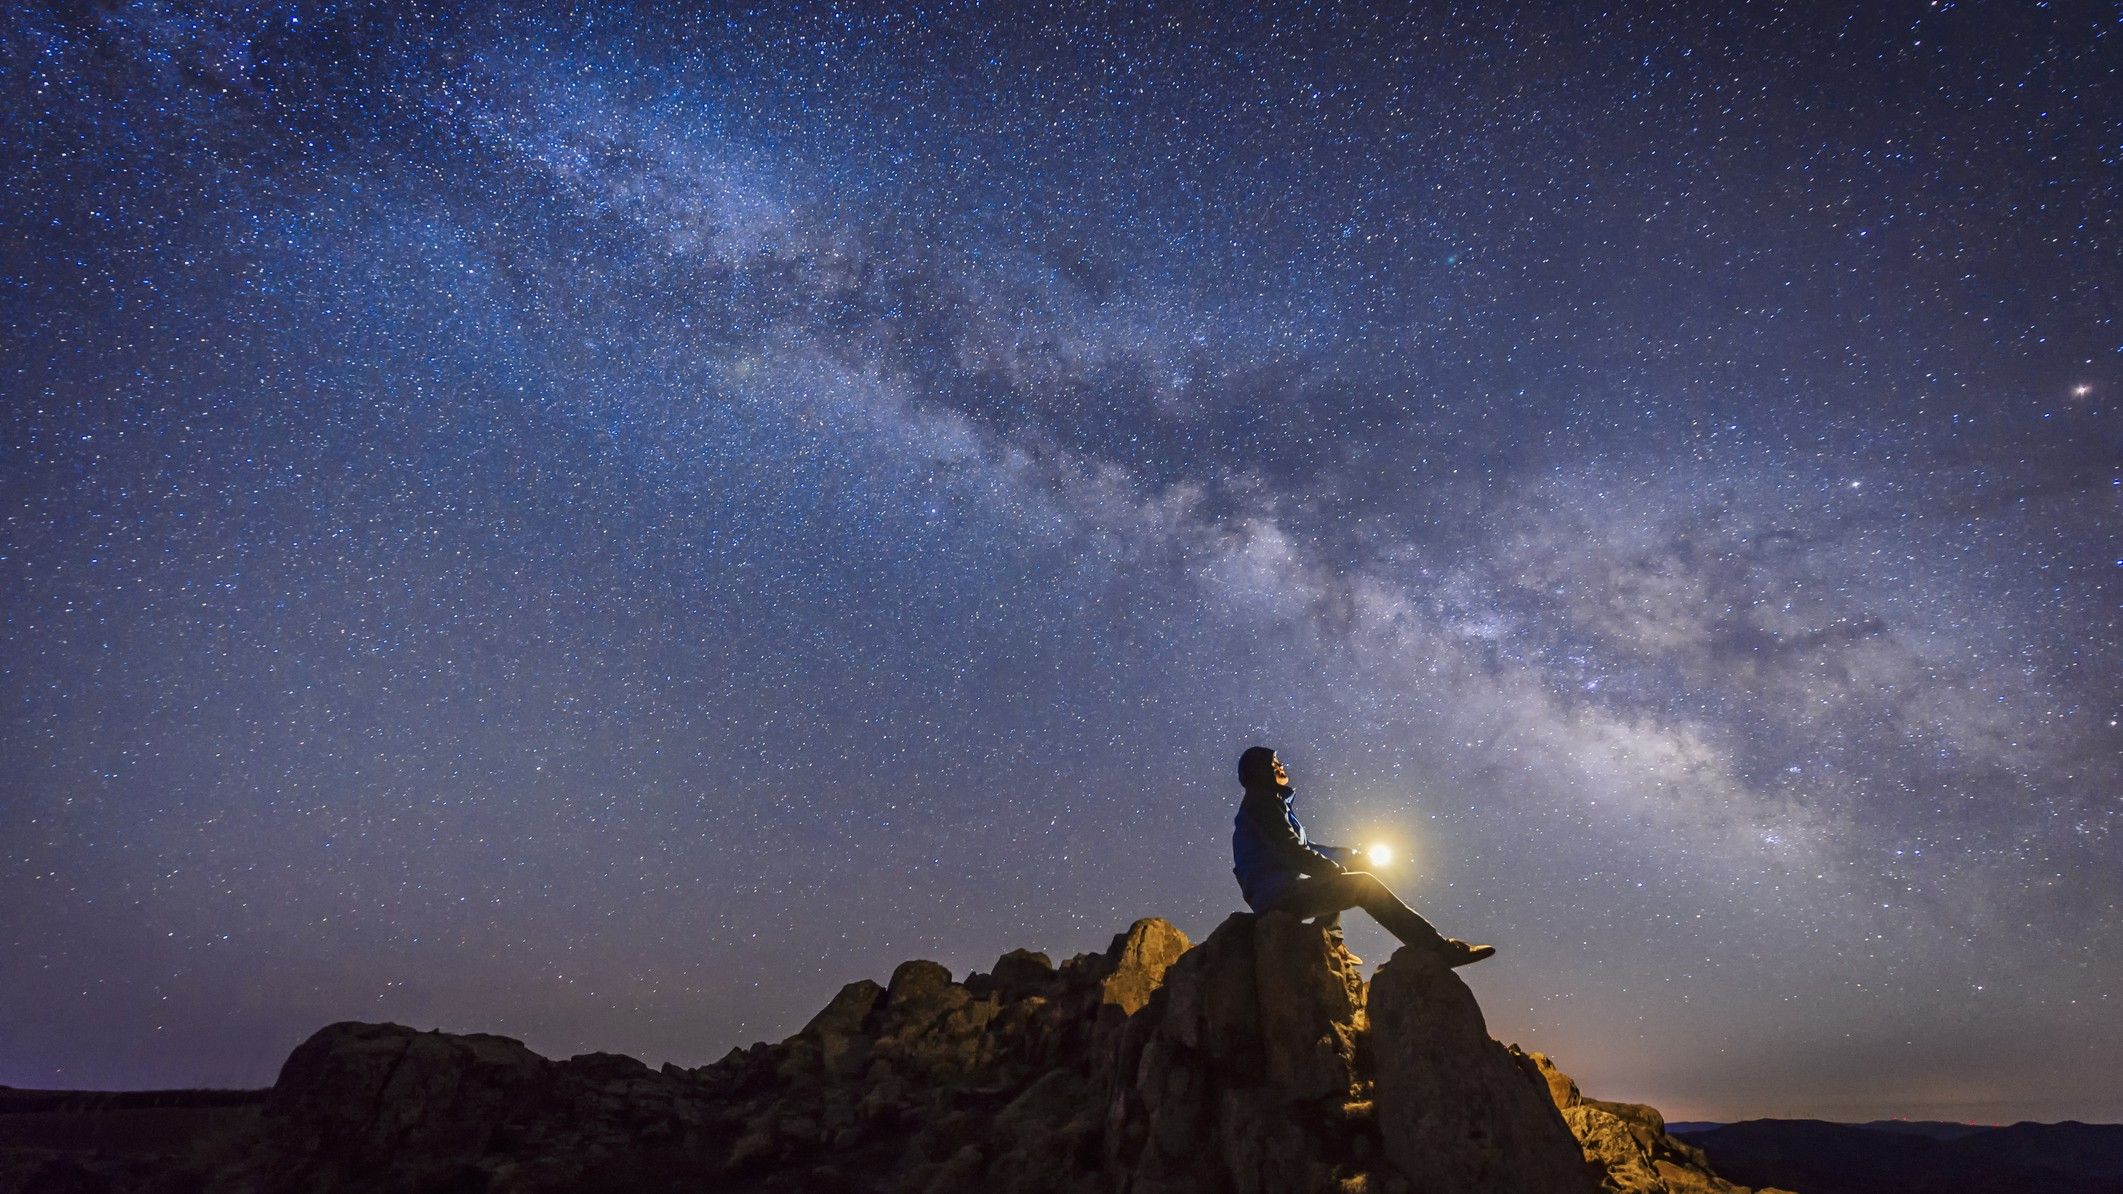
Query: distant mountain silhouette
[(1935, 1129), (1904, 1157)]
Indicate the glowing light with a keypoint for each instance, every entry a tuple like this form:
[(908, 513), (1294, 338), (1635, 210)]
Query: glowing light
[(1380, 854), (2081, 391)]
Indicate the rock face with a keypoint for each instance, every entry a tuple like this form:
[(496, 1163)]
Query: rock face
[(1256, 1062), (1459, 1110)]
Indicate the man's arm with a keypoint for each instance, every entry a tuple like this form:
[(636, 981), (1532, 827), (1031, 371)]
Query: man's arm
[(1266, 813), (1347, 857)]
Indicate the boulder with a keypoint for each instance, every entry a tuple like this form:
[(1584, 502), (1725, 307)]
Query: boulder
[(1460, 1111), (917, 984), (1311, 999), (368, 1093), (848, 1011), (1212, 1005), (839, 1030), (383, 1106), (1243, 1064), (1140, 958), (1017, 974)]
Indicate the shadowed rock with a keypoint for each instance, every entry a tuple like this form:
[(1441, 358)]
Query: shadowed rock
[(1458, 1110)]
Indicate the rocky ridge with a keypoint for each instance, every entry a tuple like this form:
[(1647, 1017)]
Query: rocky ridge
[(1258, 1061)]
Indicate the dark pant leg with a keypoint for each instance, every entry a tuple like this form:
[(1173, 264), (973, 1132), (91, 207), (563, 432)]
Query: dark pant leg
[(1320, 895)]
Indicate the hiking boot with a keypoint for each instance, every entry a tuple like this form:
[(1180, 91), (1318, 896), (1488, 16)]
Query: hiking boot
[(1456, 952)]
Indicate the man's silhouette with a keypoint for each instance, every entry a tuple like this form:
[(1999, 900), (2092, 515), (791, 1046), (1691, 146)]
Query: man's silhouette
[(1280, 870)]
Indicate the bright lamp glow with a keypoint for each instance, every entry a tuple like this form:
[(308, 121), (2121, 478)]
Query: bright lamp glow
[(1380, 854)]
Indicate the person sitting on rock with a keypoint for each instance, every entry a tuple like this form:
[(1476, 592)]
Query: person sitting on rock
[(1280, 870)]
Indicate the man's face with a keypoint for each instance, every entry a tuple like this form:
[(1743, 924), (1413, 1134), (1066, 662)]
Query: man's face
[(1282, 775)]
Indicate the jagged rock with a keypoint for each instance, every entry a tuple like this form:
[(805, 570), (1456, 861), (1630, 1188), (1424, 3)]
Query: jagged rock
[(1243, 1064), (1141, 956), (845, 1015), (838, 1029), (1562, 1088), (1257, 1061), (917, 986), (1017, 974), (1211, 995), (1628, 1143), (1458, 1110), (1311, 1006)]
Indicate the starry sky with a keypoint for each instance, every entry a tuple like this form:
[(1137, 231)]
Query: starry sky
[(605, 523)]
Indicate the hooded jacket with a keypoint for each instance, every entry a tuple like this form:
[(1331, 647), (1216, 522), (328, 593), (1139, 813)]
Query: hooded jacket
[(1269, 848)]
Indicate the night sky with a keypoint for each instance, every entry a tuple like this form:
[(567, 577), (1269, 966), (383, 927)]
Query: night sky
[(603, 528)]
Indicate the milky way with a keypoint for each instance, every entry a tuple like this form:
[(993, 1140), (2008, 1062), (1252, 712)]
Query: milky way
[(603, 528)]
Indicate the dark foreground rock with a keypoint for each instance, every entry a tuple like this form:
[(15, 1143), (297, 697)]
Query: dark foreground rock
[(1258, 1061)]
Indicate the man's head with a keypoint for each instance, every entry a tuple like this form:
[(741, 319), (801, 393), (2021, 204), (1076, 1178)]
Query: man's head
[(1259, 768)]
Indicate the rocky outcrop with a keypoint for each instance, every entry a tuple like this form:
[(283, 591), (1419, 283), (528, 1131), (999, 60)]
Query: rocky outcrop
[(1629, 1143), (1258, 1061), (381, 1106), (1242, 1073), (1459, 1110)]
